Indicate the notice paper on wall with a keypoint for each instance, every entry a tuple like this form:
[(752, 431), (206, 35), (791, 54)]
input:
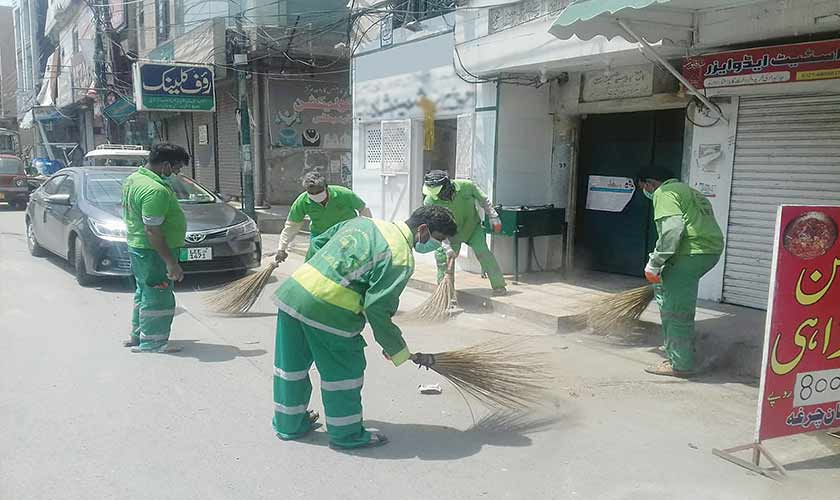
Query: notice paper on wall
[(609, 194)]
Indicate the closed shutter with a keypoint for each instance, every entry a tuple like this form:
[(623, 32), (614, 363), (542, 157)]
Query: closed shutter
[(787, 151), (230, 180)]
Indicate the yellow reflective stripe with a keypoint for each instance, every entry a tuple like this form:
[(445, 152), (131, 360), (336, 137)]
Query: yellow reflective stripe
[(327, 290), (398, 236), (401, 357)]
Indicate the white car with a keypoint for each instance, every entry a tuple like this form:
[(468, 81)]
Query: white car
[(117, 155)]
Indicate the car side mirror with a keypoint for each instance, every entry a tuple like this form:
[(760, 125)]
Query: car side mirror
[(59, 199), (225, 197)]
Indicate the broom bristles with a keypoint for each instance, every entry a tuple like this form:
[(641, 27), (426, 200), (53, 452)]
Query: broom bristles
[(495, 374), (436, 307), (619, 309), (238, 297)]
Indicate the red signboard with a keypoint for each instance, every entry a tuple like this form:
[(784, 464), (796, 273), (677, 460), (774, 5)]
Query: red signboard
[(800, 382), (802, 62)]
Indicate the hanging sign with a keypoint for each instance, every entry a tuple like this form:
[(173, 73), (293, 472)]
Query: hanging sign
[(609, 194), (800, 377), (801, 62), (174, 87)]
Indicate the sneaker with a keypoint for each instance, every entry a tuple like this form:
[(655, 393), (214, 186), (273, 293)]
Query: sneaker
[(164, 349), (666, 369), (499, 292)]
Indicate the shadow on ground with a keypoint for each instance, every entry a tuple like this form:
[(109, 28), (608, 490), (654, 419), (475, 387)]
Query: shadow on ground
[(212, 353), (435, 442)]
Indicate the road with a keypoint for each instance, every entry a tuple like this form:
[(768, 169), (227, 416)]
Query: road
[(84, 418)]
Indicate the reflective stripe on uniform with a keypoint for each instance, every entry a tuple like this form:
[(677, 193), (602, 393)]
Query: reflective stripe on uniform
[(162, 313), (289, 410), (143, 336), (398, 239), (343, 385), (348, 420), (290, 376), (358, 273), (311, 322), (327, 290)]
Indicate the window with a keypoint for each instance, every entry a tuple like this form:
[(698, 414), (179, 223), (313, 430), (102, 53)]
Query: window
[(11, 166), (67, 187), (51, 185), (406, 11), (373, 147)]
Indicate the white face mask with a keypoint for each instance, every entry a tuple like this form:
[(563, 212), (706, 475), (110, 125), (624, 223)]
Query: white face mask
[(318, 198)]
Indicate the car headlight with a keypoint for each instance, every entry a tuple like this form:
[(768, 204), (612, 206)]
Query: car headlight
[(110, 230), (247, 227)]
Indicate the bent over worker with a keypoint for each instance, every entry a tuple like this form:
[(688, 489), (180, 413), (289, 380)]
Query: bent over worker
[(359, 269), (155, 230), (325, 205), (689, 245), (461, 197)]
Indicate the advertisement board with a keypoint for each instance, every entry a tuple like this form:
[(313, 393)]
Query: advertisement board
[(174, 87)]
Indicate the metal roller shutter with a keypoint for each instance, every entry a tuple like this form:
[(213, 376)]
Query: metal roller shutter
[(230, 180), (787, 151)]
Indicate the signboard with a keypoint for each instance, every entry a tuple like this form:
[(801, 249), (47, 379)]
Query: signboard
[(621, 83), (174, 87), (800, 383), (802, 62), (121, 109), (609, 194)]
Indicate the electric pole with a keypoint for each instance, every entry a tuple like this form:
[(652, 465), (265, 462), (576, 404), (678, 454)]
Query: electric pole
[(240, 60)]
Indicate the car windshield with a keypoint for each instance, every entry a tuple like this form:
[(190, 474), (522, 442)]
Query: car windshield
[(106, 187), (11, 166)]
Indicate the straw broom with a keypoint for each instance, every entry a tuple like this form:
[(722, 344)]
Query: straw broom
[(493, 373), (238, 297), (619, 309), (436, 307)]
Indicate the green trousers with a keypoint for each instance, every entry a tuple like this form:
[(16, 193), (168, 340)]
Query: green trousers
[(341, 364), (677, 299), (154, 299), (478, 243)]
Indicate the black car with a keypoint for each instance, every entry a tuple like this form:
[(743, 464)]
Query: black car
[(77, 215)]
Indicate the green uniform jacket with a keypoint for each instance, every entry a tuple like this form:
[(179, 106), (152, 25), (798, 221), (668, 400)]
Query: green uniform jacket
[(360, 269), (342, 205), (701, 234), (149, 200), (462, 206)]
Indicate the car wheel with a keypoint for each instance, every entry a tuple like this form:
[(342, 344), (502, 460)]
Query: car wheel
[(82, 276), (35, 248)]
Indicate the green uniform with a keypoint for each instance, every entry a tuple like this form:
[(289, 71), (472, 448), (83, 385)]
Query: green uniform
[(689, 245), (359, 269), (470, 230), (148, 199), (342, 204)]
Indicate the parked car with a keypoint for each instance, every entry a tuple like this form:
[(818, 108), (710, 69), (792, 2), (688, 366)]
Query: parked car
[(14, 189), (77, 215)]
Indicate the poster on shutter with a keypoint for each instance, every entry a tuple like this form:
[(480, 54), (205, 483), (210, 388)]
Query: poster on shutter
[(800, 380), (609, 194)]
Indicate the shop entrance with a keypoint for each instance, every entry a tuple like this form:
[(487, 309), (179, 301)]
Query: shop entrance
[(616, 233)]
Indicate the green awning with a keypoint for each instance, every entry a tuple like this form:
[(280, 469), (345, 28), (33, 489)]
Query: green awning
[(655, 20)]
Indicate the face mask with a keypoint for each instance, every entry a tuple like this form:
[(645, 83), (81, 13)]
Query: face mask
[(318, 198), (432, 190), (427, 247), (647, 194)]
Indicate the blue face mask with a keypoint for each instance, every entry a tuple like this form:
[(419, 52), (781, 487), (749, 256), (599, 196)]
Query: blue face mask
[(429, 246)]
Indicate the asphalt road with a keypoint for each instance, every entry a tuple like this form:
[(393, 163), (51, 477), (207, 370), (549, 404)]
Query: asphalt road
[(83, 418)]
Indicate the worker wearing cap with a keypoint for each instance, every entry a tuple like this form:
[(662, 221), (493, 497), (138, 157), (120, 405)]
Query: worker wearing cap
[(461, 197), (689, 245), (357, 273), (325, 205)]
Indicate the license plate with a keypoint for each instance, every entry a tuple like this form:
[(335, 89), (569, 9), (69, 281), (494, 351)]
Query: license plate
[(191, 254)]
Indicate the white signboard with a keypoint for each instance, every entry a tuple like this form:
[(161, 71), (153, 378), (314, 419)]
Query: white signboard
[(609, 194), (619, 83)]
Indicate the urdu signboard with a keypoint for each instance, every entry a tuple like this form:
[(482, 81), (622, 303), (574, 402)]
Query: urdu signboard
[(174, 87)]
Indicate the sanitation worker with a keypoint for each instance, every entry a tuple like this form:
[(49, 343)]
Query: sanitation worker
[(155, 230), (461, 197), (689, 245), (325, 205), (358, 271)]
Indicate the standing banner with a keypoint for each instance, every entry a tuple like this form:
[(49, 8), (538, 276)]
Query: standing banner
[(800, 379)]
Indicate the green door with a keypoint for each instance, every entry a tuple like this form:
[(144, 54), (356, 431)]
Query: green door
[(620, 145)]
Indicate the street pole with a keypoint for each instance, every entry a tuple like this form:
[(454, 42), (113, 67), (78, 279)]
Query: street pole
[(241, 63)]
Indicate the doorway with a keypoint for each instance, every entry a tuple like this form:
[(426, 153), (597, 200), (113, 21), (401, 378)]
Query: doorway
[(609, 238)]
